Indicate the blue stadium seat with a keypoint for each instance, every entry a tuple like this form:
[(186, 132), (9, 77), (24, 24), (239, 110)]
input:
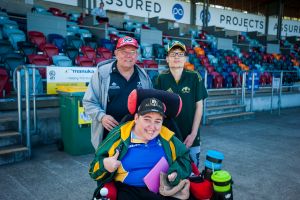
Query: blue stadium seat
[(62, 61)]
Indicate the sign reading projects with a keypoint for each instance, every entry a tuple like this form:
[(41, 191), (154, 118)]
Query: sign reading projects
[(68, 76)]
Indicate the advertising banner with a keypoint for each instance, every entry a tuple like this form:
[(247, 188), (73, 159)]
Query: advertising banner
[(171, 9), (67, 76)]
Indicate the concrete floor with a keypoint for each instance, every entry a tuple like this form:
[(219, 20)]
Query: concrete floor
[(262, 155)]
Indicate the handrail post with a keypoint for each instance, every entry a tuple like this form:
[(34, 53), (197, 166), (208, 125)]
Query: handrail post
[(204, 102), (243, 87), (280, 92), (27, 104), (19, 96), (252, 93), (27, 99), (34, 99), (271, 106)]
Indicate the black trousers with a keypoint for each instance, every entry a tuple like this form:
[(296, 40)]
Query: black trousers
[(126, 192)]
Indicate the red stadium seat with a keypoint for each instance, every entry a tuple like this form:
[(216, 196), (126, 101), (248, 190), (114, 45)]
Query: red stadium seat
[(218, 81), (98, 60), (49, 50), (150, 64), (40, 60), (38, 38), (5, 86), (84, 61), (88, 51), (104, 52)]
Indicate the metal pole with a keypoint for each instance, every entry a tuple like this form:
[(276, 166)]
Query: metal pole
[(34, 100), (204, 102), (252, 92), (19, 102), (27, 99), (280, 92), (272, 94), (243, 87)]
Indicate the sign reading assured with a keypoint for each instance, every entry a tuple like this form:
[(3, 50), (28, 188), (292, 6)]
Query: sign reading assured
[(67, 76), (171, 9)]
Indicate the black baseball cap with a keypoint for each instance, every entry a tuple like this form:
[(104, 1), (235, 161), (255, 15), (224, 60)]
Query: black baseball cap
[(151, 105)]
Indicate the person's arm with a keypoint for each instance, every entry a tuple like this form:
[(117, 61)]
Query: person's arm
[(104, 165), (182, 164), (196, 124), (92, 97)]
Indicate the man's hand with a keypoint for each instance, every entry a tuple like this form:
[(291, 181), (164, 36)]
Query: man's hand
[(111, 164), (172, 176), (189, 140), (109, 122)]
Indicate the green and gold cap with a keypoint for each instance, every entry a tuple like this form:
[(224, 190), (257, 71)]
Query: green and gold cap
[(175, 43)]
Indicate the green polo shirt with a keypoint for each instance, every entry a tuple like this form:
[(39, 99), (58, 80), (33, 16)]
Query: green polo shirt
[(191, 90)]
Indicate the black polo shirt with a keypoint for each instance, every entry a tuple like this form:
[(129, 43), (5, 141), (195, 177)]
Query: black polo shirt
[(191, 90), (118, 92)]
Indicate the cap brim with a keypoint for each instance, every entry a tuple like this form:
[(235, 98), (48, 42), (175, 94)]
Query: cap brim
[(124, 45), (178, 45), (152, 110)]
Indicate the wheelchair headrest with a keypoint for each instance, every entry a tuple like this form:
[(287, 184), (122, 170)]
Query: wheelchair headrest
[(172, 101)]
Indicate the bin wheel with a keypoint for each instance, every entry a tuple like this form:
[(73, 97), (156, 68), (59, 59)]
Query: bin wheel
[(60, 145)]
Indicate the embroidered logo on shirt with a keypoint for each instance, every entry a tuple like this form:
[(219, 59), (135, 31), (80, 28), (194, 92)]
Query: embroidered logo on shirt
[(114, 86), (139, 84), (170, 90), (186, 90)]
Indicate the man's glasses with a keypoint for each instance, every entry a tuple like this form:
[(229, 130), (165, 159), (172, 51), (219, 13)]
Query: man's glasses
[(179, 54), (128, 53)]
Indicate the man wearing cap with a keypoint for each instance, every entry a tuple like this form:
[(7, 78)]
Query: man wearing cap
[(190, 87), (131, 150), (105, 100)]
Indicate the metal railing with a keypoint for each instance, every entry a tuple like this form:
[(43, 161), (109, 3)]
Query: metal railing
[(18, 88)]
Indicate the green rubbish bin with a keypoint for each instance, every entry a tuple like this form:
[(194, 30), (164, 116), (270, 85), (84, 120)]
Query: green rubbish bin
[(75, 124)]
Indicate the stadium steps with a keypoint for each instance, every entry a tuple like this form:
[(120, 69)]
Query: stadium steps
[(11, 148), (221, 118), (224, 106)]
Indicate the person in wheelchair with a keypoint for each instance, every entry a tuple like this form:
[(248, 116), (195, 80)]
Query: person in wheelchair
[(132, 149)]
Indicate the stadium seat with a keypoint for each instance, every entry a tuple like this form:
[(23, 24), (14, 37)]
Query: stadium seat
[(104, 53), (8, 26), (5, 48), (159, 51), (38, 82), (92, 42), (40, 60), (58, 40), (72, 53), (49, 50), (26, 48), (88, 51), (98, 60), (37, 38), (218, 81), (150, 64), (147, 51), (140, 64), (15, 36), (84, 61), (74, 41), (12, 61), (84, 33), (62, 61), (5, 86)]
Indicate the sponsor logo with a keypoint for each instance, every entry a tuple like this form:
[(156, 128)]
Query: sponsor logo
[(202, 16), (114, 86), (177, 11), (186, 90)]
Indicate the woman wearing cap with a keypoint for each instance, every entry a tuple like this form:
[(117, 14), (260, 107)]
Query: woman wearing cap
[(190, 87), (131, 150), (105, 100)]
